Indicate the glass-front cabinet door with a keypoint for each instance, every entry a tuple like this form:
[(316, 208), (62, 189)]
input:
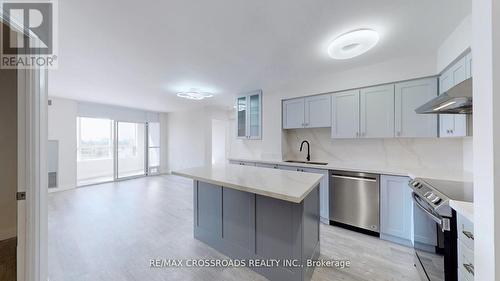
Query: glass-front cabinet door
[(254, 119), (249, 115), (241, 111)]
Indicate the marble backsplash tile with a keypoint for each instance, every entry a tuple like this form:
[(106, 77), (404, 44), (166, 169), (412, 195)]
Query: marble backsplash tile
[(428, 153)]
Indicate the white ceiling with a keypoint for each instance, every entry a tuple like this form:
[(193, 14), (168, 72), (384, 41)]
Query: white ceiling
[(140, 53)]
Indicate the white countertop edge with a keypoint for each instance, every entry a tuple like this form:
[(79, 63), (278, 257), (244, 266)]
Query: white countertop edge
[(251, 190), (389, 171), (465, 209)]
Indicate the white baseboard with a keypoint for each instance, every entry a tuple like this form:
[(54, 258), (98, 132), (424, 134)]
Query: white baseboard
[(62, 188)]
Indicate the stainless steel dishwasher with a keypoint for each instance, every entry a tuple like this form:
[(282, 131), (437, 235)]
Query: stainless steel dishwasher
[(354, 201)]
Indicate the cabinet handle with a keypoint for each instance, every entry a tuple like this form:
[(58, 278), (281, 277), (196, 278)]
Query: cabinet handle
[(469, 267), (468, 234)]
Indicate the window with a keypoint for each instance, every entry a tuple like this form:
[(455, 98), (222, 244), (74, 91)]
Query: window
[(95, 138), (131, 143), (108, 149), (94, 150)]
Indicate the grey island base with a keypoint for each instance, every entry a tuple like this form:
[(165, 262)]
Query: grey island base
[(267, 218), (274, 237)]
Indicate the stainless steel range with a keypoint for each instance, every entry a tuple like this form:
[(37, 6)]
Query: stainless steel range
[(434, 225)]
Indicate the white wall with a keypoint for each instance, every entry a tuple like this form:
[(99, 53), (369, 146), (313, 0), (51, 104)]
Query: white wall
[(186, 139), (486, 143), (190, 137), (219, 132), (455, 44), (62, 127), (468, 155)]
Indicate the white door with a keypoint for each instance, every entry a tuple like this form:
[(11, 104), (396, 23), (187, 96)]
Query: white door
[(409, 96), (317, 111), (345, 114), (377, 112), (293, 113)]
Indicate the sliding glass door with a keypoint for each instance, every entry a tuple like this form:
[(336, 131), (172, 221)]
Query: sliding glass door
[(108, 150), (153, 148), (94, 150), (131, 149)]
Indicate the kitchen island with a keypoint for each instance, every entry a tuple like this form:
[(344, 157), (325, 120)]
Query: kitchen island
[(262, 216)]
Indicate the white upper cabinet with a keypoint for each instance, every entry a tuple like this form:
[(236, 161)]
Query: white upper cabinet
[(308, 112), (377, 112), (408, 96), (345, 114), (454, 125), (293, 113), (249, 116), (317, 111), (468, 65)]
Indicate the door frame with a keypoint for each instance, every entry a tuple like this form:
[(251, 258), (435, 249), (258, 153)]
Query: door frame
[(32, 250), (32, 218)]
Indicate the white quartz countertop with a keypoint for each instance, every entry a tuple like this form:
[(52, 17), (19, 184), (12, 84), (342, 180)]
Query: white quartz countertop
[(439, 174), (280, 184), (466, 209)]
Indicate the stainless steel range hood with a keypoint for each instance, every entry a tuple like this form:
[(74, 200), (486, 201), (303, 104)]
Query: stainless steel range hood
[(457, 100)]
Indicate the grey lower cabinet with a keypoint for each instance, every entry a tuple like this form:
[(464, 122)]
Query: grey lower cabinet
[(396, 207), (324, 209), (247, 226)]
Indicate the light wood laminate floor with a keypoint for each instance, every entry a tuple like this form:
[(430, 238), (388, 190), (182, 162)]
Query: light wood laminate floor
[(111, 231)]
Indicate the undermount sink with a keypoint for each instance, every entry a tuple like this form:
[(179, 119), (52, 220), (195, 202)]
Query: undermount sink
[(306, 162)]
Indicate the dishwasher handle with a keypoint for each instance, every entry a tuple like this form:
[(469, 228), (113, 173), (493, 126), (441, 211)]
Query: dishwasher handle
[(354, 178)]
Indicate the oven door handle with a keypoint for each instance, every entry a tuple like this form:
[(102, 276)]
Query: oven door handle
[(434, 217)]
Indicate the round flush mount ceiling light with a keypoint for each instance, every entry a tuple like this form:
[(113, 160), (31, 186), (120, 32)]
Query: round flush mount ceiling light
[(194, 95), (352, 44)]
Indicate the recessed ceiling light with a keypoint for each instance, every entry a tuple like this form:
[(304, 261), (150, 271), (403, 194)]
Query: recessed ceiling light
[(353, 44), (194, 95)]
